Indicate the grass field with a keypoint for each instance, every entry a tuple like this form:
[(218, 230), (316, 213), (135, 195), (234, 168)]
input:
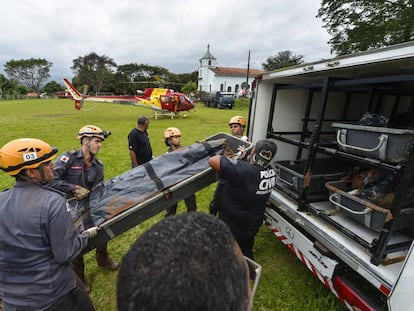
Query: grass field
[(286, 284)]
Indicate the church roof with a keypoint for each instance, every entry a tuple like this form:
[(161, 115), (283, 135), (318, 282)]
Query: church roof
[(227, 71), (207, 54)]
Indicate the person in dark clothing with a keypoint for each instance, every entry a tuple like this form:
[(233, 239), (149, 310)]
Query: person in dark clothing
[(237, 125), (139, 144), (172, 139), (185, 262), (246, 187), (76, 173), (38, 238)]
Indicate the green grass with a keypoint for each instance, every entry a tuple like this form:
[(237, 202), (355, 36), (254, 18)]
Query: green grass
[(286, 284)]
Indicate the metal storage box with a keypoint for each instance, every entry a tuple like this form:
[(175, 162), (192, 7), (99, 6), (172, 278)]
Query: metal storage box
[(363, 211), (386, 144), (292, 174)]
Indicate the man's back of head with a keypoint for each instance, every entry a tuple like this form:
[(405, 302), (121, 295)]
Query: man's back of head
[(142, 122), (185, 262)]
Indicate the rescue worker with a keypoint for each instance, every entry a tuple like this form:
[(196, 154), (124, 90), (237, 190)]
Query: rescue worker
[(76, 173), (237, 125), (246, 187), (38, 238), (172, 139)]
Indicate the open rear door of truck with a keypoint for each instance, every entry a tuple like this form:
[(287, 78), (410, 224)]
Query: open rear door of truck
[(402, 297)]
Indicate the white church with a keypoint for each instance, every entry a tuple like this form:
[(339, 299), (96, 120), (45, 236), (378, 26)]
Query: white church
[(212, 78)]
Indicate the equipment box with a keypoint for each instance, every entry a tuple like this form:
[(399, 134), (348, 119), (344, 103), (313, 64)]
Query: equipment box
[(386, 144), (292, 174), (363, 211)]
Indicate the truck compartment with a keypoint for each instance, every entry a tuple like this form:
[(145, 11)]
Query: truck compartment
[(313, 111)]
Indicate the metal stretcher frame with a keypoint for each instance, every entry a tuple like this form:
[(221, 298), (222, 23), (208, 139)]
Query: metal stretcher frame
[(157, 203), (151, 207)]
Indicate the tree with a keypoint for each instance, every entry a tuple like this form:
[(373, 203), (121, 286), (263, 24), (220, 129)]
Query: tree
[(360, 25), (52, 87), (189, 87), (282, 59), (93, 70), (30, 72), (129, 77)]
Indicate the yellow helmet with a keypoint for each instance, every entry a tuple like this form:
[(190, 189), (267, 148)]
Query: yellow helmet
[(171, 131), (92, 131), (238, 120), (25, 153)]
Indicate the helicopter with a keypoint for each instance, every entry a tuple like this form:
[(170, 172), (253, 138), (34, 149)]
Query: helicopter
[(161, 100)]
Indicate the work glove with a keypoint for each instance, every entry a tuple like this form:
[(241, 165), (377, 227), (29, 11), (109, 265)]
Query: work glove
[(80, 193), (241, 152), (92, 231)]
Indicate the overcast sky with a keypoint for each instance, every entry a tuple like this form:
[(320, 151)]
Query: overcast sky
[(170, 33)]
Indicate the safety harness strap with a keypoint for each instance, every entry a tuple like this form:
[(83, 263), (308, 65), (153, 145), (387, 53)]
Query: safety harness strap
[(153, 176)]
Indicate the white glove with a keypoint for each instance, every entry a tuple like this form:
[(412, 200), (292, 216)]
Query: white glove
[(80, 193), (241, 152), (92, 231)]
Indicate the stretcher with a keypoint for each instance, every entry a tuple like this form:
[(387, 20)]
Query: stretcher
[(125, 201)]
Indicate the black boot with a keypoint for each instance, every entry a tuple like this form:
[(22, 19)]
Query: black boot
[(103, 259)]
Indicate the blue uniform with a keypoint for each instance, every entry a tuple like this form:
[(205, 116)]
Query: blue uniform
[(70, 171), (37, 242)]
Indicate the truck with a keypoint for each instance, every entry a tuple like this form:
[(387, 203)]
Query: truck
[(225, 100), (219, 99), (330, 121)]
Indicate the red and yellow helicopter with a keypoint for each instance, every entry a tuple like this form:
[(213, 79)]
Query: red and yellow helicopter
[(160, 100)]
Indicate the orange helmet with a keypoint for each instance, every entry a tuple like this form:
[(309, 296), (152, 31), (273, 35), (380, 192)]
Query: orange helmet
[(92, 131), (171, 131), (238, 120), (25, 153)]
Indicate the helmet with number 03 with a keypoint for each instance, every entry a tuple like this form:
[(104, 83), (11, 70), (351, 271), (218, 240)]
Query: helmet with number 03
[(238, 120), (92, 131), (171, 131), (25, 153)]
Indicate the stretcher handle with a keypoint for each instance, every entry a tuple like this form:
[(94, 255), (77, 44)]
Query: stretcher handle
[(382, 139), (281, 179), (331, 199)]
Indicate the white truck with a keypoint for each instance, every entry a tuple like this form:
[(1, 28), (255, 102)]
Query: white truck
[(361, 250)]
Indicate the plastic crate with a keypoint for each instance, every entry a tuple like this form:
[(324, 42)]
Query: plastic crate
[(363, 211), (386, 144), (292, 174)]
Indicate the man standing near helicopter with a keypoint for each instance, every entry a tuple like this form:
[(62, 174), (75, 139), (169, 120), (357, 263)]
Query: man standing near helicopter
[(139, 145)]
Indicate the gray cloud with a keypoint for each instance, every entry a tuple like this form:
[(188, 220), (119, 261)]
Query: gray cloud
[(171, 34)]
